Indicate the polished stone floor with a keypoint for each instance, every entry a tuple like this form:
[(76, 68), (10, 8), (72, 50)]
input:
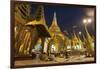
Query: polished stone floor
[(71, 59)]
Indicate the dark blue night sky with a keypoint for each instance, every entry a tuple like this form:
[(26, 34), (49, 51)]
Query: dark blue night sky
[(67, 17)]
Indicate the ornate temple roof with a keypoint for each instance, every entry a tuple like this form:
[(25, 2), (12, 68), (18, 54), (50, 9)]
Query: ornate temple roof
[(39, 17), (39, 21)]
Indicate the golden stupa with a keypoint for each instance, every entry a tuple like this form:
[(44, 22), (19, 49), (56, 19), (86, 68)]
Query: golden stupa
[(77, 43), (57, 37)]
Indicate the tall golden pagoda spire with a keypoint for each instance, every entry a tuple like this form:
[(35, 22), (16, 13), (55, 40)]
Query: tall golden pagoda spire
[(80, 42), (75, 38), (56, 35), (54, 28)]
